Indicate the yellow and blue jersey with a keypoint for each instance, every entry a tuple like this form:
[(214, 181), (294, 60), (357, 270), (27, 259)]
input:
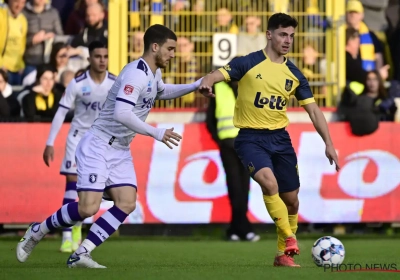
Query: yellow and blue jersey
[(264, 90)]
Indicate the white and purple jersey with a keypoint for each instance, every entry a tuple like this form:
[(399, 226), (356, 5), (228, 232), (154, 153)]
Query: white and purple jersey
[(135, 85), (87, 97)]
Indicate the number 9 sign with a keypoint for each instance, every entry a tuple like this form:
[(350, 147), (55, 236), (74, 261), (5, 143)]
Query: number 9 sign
[(224, 48)]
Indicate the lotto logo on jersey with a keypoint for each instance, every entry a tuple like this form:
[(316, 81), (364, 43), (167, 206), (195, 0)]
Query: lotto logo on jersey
[(128, 89), (274, 102)]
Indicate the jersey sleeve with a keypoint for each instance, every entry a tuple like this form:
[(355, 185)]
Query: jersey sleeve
[(235, 70), (303, 92), (133, 82), (69, 95)]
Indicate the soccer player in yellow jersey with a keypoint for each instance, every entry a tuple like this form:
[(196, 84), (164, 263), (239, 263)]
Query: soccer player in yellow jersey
[(267, 79)]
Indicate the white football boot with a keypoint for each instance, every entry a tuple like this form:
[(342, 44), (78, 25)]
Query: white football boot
[(26, 244), (82, 261)]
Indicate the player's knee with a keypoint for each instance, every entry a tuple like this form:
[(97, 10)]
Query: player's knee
[(87, 210), (266, 179), (126, 206)]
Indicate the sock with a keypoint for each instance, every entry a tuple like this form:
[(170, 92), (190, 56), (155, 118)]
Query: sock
[(70, 195), (279, 213), (66, 216), (293, 221), (281, 240), (103, 228)]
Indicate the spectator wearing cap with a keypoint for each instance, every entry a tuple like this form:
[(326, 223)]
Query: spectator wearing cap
[(371, 49)]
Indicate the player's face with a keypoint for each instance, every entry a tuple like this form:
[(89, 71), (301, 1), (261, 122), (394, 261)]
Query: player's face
[(165, 53), (281, 39), (99, 60)]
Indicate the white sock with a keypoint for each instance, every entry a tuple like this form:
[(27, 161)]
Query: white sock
[(67, 235), (87, 246), (39, 230)]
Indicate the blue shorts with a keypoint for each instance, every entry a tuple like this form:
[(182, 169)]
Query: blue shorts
[(258, 148)]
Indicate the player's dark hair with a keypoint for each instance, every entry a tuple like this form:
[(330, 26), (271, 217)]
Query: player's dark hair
[(158, 34), (96, 45), (281, 20)]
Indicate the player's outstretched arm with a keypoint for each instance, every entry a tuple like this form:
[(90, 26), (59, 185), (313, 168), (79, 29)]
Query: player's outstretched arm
[(123, 114), (171, 91), (320, 124), (58, 120), (65, 104), (208, 82)]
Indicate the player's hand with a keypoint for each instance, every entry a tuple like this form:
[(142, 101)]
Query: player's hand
[(171, 137), (206, 91), (330, 153), (48, 155)]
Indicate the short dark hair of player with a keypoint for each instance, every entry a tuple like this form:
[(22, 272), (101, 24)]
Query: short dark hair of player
[(96, 45), (158, 34), (281, 20)]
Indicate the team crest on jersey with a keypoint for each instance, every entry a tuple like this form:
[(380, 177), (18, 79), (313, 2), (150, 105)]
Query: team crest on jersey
[(85, 90), (251, 167), (288, 85), (68, 164), (128, 89), (227, 68), (92, 178)]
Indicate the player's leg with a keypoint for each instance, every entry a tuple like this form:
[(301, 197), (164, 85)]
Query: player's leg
[(253, 150), (124, 198), (66, 216), (121, 188), (92, 185), (71, 237), (285, 167)]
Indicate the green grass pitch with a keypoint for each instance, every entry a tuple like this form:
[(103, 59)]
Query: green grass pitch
[(128, 258)]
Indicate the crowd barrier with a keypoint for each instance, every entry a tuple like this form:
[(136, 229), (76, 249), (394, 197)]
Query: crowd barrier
[(187, 184)]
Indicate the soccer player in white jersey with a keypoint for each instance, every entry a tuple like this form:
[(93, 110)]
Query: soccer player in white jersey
[(103, 157), (87, 93)]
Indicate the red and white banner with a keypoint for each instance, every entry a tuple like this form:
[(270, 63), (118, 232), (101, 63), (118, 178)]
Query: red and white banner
[(187, 184)]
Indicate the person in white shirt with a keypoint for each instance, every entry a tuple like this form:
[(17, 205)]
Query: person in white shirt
[(86, 94), (103, 156)]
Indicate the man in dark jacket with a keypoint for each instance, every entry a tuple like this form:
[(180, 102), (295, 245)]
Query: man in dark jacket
[(219, 122)]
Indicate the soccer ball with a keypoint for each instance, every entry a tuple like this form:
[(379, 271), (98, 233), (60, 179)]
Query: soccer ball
[(328, 250)]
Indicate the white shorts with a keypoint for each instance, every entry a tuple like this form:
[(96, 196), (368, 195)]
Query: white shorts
[(100, 166), (68, 166)]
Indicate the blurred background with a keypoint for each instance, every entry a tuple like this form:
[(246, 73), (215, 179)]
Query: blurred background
[(348, 50)]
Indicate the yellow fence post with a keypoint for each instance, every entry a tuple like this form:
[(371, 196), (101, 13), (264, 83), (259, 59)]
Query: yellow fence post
[(123, 33), (330, 62), (114, 36), (340, 19)]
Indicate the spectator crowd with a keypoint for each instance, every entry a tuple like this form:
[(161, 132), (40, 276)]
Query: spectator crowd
[(43, 44)]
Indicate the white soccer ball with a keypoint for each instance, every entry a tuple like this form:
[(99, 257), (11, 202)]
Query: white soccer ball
[(328, 250)]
